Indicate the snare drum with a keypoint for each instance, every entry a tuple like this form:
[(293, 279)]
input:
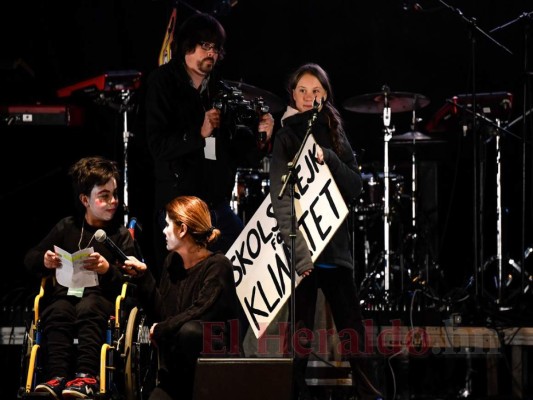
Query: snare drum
[(373, 196)]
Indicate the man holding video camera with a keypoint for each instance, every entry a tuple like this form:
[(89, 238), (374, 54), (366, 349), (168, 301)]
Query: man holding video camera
[(193, 138)]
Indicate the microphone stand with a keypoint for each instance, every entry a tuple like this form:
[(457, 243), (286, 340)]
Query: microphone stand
[(521, 16), (477, 172), (290, 179), (472, 23), (525, 112)]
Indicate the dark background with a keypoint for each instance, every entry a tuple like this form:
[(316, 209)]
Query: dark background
[(426, 48)]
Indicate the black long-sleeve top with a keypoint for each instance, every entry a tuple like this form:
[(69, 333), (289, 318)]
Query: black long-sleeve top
[(343, 167), (66, 234), (205, 292), (174, 114)]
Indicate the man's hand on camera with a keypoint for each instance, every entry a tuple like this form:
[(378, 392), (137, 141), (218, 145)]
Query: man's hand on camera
[(211, 122), (266, 124)]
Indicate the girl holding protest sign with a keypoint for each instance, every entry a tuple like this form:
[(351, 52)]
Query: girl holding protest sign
[(311, 109)]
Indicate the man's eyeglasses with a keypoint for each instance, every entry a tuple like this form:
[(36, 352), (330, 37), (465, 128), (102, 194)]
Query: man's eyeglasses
[(209, 47)]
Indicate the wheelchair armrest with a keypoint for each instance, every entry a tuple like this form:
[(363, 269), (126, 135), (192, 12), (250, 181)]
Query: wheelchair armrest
[(37, 300), (118, 302)]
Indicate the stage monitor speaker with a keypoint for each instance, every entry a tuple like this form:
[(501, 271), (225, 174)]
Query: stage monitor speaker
[(243, 379)]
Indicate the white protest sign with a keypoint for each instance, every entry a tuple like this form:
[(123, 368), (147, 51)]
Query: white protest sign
[(259, 256)]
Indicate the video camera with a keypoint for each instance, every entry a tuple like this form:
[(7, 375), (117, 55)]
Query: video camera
[(237, 112)]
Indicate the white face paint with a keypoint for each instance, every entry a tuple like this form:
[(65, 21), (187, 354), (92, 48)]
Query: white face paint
[(173, 234)]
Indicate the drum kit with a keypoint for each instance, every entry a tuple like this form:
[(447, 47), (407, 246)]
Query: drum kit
[(393, 270), (390, 269)]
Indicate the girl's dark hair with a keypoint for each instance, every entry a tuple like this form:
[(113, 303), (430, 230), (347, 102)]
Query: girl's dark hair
[(196, 29), (334, 117)]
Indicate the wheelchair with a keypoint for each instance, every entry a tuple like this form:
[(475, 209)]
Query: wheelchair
[(127, 370), (125, 357)]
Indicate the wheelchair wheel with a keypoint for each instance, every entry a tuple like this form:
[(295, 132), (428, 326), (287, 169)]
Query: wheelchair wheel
[(28, 366), (139, 372)]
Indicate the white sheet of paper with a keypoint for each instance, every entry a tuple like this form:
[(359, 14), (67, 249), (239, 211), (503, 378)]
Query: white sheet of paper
[(210, 148), (71, 273)]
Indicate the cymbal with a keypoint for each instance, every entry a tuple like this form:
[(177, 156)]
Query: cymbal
[(413, 137), (373, 103), (250, 92), (410, 137)]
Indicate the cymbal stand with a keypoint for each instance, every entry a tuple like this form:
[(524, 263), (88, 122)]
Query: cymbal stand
[(125, 107), (387, 134), (499, 214), (414, 234), (496, 125), (413, 175)]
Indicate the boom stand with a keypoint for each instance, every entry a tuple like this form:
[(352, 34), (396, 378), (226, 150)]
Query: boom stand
[(478, 182), (290, 179)]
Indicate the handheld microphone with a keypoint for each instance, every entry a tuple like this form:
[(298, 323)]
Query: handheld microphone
[(101, 237)]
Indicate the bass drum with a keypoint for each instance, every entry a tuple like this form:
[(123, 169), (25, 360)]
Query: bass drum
[(372, 198)]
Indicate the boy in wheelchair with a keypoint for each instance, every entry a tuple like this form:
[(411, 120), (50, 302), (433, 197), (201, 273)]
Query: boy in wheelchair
[(81, 312), (195, 304)]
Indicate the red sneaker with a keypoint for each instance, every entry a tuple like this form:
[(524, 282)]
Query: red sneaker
[(83, 386), (54, 386)]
